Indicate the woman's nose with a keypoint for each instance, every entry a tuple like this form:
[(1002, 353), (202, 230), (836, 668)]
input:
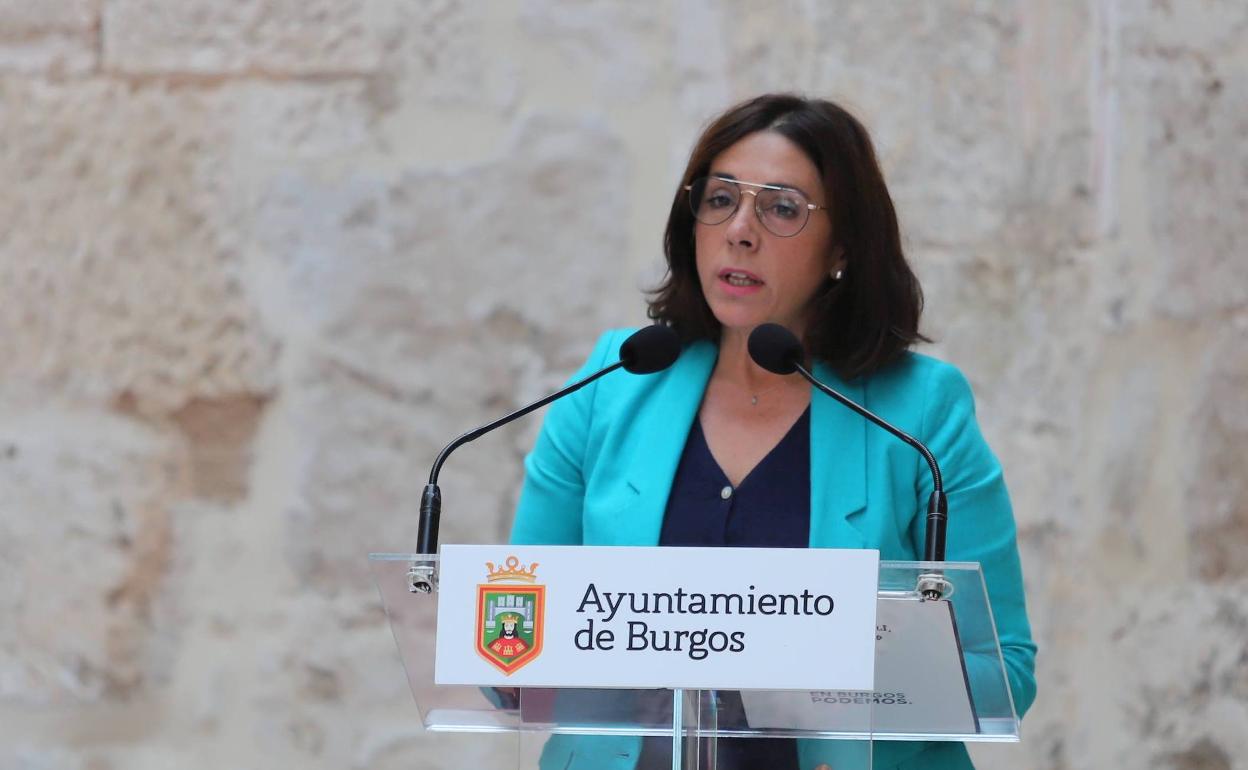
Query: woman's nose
[(743, 224)]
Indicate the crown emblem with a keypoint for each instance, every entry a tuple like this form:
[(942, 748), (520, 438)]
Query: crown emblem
[(511, 570)]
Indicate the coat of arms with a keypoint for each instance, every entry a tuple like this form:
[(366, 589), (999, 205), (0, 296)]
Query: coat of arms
[(510, 612)]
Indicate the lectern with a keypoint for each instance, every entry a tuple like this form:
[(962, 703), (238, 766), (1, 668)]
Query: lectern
[(939, 676)]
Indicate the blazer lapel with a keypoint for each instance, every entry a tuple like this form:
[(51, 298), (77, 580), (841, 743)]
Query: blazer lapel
[(838, 469), (660, 429), (662, 423)]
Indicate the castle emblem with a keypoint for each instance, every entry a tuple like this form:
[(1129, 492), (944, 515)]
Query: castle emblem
[(510, 614)]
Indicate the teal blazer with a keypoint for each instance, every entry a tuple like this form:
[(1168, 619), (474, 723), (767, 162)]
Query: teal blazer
[(602, 467)]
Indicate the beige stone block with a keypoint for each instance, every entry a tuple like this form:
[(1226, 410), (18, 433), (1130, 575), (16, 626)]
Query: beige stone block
[(1129, 673), (48, 38), (1169, 29), (294, 122), (85, 542), (445, 52), (56, 54), (1216, 487), (282, 37), (1182, 94), (120, 251), (1179, 657), (443, 299), (18, 15), (218, 435), (724, 52), (538, 232), (609, 47), (333, 656), (22, 758)]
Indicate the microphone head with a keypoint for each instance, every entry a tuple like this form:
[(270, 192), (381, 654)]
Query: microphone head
[(775, 348), (650, 350)]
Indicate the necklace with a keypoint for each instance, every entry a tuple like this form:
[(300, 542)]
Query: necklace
[(754, 398), (756, 395)]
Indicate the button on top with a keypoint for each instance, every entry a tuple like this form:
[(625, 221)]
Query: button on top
[(726, 492)]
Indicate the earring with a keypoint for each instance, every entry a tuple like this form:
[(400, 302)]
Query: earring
[(837, 275)]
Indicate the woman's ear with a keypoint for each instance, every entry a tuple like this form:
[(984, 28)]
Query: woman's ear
[(837, 262)]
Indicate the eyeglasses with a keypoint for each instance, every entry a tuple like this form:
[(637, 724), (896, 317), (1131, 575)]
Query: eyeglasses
[(782, 210)]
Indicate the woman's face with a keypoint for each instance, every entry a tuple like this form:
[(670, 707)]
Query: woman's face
[(750, 275)]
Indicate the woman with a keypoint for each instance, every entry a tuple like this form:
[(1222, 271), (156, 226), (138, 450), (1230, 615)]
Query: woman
[(782, 216)]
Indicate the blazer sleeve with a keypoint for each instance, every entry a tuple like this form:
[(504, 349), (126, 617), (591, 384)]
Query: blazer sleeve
[(981, 519), (553, 495)]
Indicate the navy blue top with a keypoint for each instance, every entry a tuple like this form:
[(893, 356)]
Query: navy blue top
[(770, 508)]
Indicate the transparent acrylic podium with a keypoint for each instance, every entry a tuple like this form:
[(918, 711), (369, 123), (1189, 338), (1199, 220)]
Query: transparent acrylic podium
[(591, 728)]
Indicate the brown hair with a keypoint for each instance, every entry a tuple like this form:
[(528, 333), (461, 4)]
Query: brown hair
[(870, 316)]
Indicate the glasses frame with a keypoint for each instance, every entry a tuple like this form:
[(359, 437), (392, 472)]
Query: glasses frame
[(740, 185)]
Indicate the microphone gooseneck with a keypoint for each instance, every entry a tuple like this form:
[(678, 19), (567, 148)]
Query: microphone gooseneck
[(646, 351), (777, 350)]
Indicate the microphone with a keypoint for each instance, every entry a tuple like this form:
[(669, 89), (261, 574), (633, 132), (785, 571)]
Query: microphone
[(777, 350), (648, 350)]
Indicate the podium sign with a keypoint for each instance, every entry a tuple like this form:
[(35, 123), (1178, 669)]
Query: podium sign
[(918, 640), (579, 616)]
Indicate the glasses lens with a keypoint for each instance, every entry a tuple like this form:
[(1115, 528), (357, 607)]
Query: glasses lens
[(713, 200), (783, 212)]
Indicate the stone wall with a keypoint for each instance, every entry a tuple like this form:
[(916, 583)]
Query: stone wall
[(259, 260)]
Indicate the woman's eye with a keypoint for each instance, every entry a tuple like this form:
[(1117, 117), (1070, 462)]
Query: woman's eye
[(785, 209), (719, 200)]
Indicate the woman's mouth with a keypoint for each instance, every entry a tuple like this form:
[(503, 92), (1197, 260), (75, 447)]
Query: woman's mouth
[(739, 278)]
